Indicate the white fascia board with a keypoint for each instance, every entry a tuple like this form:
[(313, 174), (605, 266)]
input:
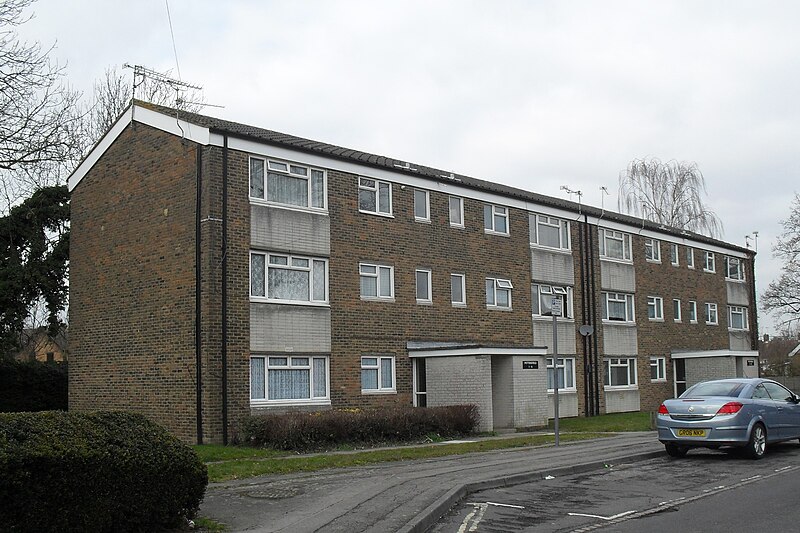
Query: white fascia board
[(99, 149), (461, 352), (715, 353)]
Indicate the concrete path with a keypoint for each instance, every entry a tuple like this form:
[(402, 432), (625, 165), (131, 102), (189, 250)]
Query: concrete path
[(407, 496)]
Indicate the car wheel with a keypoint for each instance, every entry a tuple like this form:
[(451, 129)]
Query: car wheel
[(673, 450), (757, 445)]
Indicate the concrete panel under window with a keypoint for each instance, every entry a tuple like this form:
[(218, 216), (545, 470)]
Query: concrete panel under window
[(530, 391), (622, 401), (739, 340), (619, 340), (747, 367), (617, 276), (298, 328), (705, 368), (552, 267), (462, 380), (543, 336), (298, 232), (502, 392), (567, 405), (737, 293)]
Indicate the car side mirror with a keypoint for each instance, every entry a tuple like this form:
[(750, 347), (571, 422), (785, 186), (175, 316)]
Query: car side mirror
[(794, 399)]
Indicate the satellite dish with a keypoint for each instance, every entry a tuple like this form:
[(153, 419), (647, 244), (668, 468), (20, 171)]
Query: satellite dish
[(586, 330)]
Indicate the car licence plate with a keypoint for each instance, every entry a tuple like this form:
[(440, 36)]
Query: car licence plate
[(691, 432)]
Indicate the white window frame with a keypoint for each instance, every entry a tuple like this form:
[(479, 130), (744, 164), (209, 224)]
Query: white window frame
[(380, 210), (498, 284), (379, 367), (568, 376), (709, 262), (627, 299), (624, 238), (427, 205), (674, 254), (690, 257), (377, 275), (709, 308), (539, 291), (538, 220), (692, 312), (427, 298), (311, 400), (496, 211), (652, 248), (619, 362), (741, 310), (266, 297), (739, 273), (655, 308), (460, 222), (677, 313), (463, 283), (660, 365), (292, 170)]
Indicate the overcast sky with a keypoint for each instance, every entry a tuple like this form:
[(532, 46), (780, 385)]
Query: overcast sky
[(531, 94)]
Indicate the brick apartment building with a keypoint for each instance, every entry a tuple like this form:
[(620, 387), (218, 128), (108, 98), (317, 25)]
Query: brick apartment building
[(219, 269)]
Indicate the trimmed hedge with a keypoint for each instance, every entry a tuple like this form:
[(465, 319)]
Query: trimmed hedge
[(104, 471), (318, 430), (32, 386)]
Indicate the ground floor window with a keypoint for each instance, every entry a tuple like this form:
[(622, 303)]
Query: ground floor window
[(377, 374), (658, 366), (290, 378), (620, 372), (565, 370)]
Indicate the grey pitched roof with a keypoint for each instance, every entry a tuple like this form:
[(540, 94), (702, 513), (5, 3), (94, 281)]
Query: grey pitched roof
[(275, 138)]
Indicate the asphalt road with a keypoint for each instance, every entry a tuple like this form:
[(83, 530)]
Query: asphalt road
[(704, 492)]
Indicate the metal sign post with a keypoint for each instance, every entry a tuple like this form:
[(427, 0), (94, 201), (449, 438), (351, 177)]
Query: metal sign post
[(556, 312)]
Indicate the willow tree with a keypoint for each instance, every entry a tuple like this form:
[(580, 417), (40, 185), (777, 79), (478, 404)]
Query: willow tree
[(782, 297), (670, 193)]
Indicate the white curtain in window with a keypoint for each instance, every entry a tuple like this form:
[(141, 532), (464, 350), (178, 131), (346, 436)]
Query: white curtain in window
[(386, 373), (288, 284), (257, 275), (369, 378), (383, 197), (287, 189), (319, 281), (369, 286), (385, 275), (257, 378), (455, 211), (288, 384), (317, 189), (320, 378)]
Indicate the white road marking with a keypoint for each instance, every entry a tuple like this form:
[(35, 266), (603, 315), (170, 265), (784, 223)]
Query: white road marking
[(505, 505), (784, 468), (549, 477), (602, 517), (474, 518)]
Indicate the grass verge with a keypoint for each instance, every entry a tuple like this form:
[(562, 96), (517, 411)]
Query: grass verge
[(614, 422)]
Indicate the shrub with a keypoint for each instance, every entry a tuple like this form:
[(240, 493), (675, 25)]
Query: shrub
[(318, 430), (104, 471), (32, 386)]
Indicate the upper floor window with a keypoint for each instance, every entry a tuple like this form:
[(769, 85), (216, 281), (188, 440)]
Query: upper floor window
[(692, 311), (652, 250), (549, 231), (495, 219), (655, 308), (734, 269), (737, 317), (374, 196), (564, 371), (689, 257), (711, 314), (617, 306), (288, 277), (458, 290), (287, 183), (423, 286), (422, 208), (377, 281), (673, 254), (709, 263), (456, 207), (542, 297), (615, 244), (676, 310), (498, 293)]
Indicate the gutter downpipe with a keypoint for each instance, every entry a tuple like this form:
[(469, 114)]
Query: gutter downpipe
[(198, 363), (584, 310), (593, 318), (225, 290)]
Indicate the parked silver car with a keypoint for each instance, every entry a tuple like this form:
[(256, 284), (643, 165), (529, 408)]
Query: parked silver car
[(741, 413)]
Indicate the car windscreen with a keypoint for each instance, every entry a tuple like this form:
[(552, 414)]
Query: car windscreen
[(714, 388)]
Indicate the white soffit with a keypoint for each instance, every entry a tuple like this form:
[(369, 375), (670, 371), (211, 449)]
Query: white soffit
[(461, 352), (714, 353)]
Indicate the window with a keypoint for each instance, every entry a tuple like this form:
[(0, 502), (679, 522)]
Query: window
[(288, 278), (294, 378), (542, 300), (734, 269), (737, 317), (655, 308), (673, 254), (652, 250), (690, 257), (618, 306), (711, 314), (458, 293), (377, 374), (286, 183), (456, 211), (374, 196), (676, 310), (709, 265), (620, 372), (692, 311), (377, 281), (549, 231), (565, 371), (658, 370), (615, 245), (495, 219), (498, 293), (421, 206), (423, 286)]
